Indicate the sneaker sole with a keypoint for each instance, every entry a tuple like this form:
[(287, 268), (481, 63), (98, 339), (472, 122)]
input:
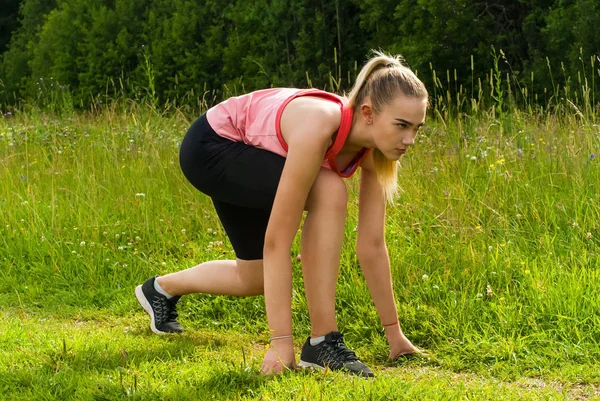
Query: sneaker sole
[(139, 294), (309, 365)]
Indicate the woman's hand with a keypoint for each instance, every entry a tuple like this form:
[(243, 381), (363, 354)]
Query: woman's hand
[(399, 344), (279, 357)]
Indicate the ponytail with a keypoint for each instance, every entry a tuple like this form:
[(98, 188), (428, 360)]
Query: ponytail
[(380, 80)]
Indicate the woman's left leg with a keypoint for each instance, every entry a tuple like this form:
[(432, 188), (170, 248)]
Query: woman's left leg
[(321, 247), (322, 239)]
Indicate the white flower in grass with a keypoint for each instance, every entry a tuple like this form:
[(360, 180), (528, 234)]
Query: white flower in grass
[(163, 264), (138, 195), (488, 291), (425, 277), (82, 243)]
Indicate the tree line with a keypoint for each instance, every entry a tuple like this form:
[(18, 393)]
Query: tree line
[(180, 50)]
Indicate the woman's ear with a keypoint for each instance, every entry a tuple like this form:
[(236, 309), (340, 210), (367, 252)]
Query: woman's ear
[(367, 112)]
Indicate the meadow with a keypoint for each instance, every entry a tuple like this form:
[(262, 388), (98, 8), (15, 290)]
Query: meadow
[(493, 243)]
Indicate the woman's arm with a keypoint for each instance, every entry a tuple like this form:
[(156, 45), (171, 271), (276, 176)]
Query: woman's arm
[(307, 138), (371, 248), (373, 257)]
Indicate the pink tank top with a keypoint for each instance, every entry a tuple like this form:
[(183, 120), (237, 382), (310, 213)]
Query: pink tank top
[(255, 118)]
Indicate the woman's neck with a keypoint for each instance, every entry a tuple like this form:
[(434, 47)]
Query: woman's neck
[(359, 136)]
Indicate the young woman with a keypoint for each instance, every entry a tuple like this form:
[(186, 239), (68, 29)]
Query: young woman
[(266, 157)]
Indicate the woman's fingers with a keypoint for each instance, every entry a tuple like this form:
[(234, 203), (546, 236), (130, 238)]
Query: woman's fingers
[(277, 361)]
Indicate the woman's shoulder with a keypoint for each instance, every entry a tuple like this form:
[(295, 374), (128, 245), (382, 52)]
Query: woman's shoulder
[(310, 118)]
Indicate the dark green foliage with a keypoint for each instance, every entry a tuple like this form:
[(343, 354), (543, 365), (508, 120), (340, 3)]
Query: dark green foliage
[(181, 51), (8, 21)]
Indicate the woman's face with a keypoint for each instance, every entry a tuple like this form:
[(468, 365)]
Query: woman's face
[(396, 126)]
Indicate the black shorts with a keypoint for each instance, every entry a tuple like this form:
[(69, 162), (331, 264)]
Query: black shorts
[(240, 179)]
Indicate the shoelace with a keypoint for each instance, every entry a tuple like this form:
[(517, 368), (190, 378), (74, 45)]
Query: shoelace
[(164, 310), (337, 351)]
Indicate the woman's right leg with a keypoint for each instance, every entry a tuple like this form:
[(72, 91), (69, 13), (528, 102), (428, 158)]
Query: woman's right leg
[(224, 277)]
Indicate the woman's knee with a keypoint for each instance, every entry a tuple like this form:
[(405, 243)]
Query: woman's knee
[(329, 191), (250, 272)]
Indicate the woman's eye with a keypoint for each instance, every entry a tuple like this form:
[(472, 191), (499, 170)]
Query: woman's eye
[(403, 126)]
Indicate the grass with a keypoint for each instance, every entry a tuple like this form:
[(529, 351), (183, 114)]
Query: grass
[(493, 243)]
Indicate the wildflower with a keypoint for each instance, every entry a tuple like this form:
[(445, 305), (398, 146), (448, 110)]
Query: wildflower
[(121, 248), (492, 165), (592, 156), (520, 152), (139, 194), (24, 203), (425, 277), (183, 231), (473, 158), (299, 258), (588, 235), (488, 291), (163, 264), (82, 243), (479, 295), (43, 238)]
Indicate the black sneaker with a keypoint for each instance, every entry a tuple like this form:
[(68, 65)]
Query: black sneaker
[(163, 311), (333, 354)]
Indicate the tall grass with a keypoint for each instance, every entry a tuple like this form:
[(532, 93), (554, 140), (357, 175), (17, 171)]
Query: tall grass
[(493, 243)]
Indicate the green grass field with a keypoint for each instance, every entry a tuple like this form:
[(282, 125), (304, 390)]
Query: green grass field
[(494, 248)]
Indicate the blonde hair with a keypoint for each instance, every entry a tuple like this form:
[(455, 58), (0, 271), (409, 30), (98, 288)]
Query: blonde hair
[(380, 80)]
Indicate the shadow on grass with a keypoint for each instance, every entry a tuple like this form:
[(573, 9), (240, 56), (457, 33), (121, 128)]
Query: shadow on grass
[(115, 383)]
